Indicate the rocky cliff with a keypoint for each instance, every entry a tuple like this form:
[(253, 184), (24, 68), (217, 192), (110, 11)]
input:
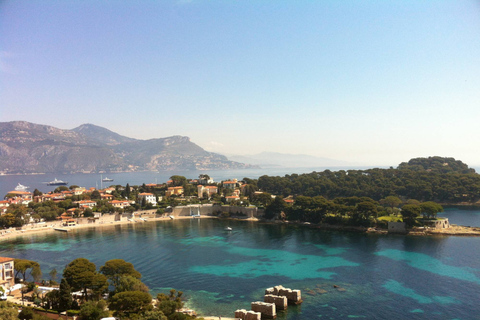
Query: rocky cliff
[(27, 148)]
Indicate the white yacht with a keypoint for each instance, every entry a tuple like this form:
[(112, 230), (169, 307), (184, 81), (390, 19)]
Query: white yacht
[(21, 187)]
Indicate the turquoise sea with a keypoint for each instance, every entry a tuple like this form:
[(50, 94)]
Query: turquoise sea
[(378, 276)]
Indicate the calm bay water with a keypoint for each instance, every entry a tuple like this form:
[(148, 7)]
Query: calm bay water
[(379, 277), (9, 182)]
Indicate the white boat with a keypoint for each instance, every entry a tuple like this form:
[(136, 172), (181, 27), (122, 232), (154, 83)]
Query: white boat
[(21, 187), (107, 179), (57, 183), (228, 229), (172, 217)]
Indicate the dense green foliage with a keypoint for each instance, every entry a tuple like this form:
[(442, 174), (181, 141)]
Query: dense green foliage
[(81, 275), (8, 311), (406, 182), (22, 266), (125, 303), (349, 211), (115, 269), (437, 165)]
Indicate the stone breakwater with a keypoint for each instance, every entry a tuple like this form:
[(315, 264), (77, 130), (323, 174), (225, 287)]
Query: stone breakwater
[(275, 298)]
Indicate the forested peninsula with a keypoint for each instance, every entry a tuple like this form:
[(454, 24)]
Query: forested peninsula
[(443, 180)]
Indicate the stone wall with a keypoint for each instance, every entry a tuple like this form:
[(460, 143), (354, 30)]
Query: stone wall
[(293, 296), (210, 210), (247, 315), (442, 223), (280, 302), (396, 227), (267, 310)]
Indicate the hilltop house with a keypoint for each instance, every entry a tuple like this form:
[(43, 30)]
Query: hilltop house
[(120, 203), (174, 191), (147, 197), (206, 190)]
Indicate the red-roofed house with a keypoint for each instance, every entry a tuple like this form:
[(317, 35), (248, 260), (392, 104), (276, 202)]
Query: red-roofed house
[(119, 203), (230, 184), (232, 198), (104, 196), (149, 198), (174, 191), (206, 190), (85, 204)]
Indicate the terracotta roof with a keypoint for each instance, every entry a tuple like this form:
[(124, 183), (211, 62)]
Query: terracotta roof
[(20, 192), (5, 259)]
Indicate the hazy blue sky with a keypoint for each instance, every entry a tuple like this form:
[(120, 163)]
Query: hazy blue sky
[(372, 82)]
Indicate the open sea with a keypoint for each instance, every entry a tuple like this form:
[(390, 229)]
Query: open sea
[(377, 276)]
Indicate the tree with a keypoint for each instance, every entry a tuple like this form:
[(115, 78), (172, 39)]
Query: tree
[(95, 195), (117, 268), (22, 265), (365, 210), (129, 283), (65, 296), (87, 213), (81, 275), (127, 191), (264, 198), (169, 304), (8, 311), (410, 212), (430, 209), (275, 208), (26, 314), (391, 201), (154, 315), (53, 299), (8, 220), (93, 310), (37, 193), (178, 180), (36, 272), (127, 303), (60, 189)]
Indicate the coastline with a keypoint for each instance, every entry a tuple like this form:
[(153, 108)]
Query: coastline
[(100, 223), (7, 234)]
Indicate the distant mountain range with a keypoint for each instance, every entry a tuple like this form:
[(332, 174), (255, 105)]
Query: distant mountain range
[(275, 159), (32, 148)]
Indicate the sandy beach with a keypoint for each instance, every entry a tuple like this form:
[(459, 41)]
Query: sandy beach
[(99, 223)]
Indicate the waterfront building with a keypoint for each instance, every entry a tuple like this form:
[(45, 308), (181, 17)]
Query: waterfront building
[(7, 279)]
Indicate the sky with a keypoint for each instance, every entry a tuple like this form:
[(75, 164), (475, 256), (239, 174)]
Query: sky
[(368, 82)]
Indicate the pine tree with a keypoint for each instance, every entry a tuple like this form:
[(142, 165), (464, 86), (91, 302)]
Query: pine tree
[(66, 300)]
